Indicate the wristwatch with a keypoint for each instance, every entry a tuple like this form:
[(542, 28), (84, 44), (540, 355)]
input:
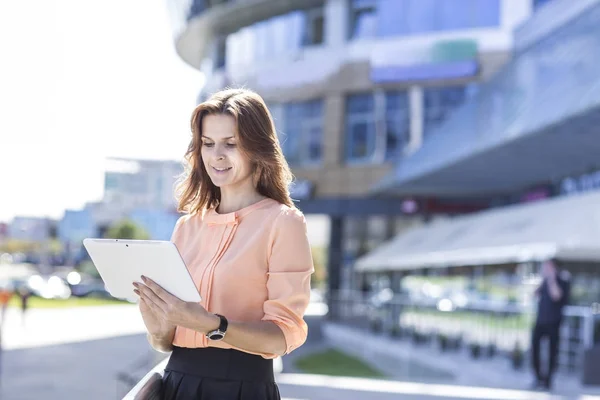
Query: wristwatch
[(219, 333)]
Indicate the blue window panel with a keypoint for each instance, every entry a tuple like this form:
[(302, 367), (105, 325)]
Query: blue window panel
[(395, 101), (365, 3), (414, 17), (420, 16), (363, 18), (293, 111), (394, 139), (460, 69), (439, 103), (315, 140), (361, 141), (303, 133), (397, 123), (488, 13), (391, 18), (294, 29), (314, 108), (454, 14), (539, 3), (360, 127), (360, 103), (291, 143)]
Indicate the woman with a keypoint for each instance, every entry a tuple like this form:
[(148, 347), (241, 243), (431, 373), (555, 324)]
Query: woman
[(246, 247)]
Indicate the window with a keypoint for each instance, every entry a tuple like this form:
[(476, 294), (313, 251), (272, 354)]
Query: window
[(221, 52), (283, 34), (314, 29), (538, 3), (397, 123), (439, 103), (363, 18), (302, 137), (415, 17), (360, 128), (362, 113)]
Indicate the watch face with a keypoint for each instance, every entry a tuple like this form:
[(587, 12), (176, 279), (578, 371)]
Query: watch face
[(216, 336)]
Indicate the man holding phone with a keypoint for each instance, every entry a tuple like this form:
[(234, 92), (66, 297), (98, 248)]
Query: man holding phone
[(552, 294)]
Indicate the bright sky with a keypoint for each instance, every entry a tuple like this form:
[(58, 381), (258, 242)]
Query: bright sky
[(81, 81)]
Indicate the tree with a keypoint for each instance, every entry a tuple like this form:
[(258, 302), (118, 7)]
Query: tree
[(126, 229)]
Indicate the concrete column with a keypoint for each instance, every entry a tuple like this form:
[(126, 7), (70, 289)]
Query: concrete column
[(415, 101), (336, 22), (334, 135)]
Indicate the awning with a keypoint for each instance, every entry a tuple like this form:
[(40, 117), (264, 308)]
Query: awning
[(566, 228)]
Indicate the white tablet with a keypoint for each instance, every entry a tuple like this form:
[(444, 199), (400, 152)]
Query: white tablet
[(122, 262)]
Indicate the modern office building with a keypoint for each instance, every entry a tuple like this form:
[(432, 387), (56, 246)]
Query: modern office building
[(527, 142), (354, 86), (31, 229), (131, 183), (531, 133), (396, 115)]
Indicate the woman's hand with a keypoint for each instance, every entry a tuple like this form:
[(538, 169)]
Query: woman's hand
[(154, 324), (172, 311)]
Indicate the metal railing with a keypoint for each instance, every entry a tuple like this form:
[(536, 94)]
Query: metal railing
[(150, 386), (491, 328)]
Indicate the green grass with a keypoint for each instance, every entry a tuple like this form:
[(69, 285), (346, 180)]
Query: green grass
[(39, 302), (336, 363)]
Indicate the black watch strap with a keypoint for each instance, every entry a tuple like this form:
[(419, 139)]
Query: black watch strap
[(219, 333), (224, 323)]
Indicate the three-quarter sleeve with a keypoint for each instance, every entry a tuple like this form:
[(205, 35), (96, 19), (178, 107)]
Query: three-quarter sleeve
[(175, 236), (288, 281)]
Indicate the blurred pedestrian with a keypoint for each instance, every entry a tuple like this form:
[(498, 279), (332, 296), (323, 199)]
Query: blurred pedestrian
[(5, 295), (24, 294), (553, 294)]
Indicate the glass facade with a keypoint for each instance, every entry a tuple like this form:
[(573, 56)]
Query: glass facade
[(539, 3), (397, 123), (551, 81), (439, 104), (300, 129), (360, 128), (279, 35), (369, 115), (383, 18)]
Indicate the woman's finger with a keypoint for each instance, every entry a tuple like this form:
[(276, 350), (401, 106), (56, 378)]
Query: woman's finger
[(148, 292), (159, 291), (153, 301)]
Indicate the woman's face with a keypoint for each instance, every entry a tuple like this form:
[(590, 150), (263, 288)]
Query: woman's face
[(223, 159)]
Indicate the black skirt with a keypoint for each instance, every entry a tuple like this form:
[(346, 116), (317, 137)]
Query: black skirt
[(218, 374)]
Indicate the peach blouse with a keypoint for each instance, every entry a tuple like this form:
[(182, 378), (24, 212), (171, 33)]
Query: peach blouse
[(250, 265)]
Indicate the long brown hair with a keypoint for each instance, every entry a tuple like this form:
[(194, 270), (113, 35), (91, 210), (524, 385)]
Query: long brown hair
[(258, 140)]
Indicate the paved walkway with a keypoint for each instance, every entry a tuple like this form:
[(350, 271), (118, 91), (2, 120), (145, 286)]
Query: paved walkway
[(52, 326)]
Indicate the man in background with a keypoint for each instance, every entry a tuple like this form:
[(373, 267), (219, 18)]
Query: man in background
[(553, 294)]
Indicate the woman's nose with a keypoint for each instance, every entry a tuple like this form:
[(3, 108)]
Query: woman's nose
[(219, 153)]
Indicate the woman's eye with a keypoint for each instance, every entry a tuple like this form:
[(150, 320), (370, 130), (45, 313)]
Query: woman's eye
[(231, 145), (208, 144)]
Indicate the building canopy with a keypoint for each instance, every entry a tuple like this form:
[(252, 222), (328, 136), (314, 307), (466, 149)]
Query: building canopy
[(566, 228)]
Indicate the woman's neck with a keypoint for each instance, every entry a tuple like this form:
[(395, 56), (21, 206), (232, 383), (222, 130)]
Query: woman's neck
[(234, 203)]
